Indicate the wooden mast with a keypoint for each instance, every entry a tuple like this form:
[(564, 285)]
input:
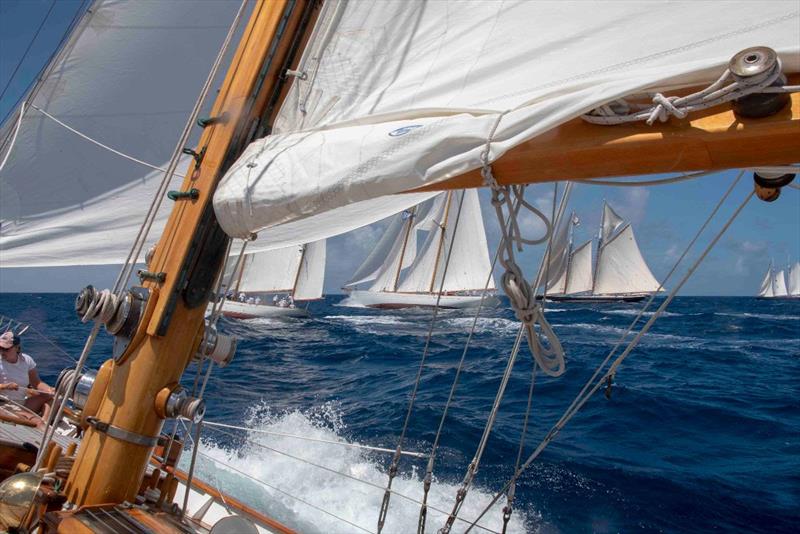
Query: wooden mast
[(441, 239), (714, 139), (403, 250), (109, 469)]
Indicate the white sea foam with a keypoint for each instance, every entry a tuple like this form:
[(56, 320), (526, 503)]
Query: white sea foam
[(766, 316), (350, 499), (484, 324), (634, 313)]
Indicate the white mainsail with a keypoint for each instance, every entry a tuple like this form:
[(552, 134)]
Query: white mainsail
[(779, 285), (611, 222), (469, 265), (127, 77), (766, 285), (794, 280), (311, 276), (558, 258), (298, 270), (621, 268), (579, 279), (402, 94)]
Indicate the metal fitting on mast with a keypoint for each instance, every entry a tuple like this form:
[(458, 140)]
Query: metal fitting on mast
[(758, 61)]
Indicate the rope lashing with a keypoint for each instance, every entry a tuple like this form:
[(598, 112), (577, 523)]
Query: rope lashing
[(728, 87), (549, 356)]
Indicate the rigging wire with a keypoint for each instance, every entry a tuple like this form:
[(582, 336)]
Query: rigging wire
[(38, 332), (384, 509), (317, 440), (605, 379)]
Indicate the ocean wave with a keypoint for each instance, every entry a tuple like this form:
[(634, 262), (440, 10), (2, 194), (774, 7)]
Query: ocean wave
[(634, 313), (764, 316), (349, 486)]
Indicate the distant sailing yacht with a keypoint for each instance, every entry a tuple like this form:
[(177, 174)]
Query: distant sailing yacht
[(774, 285), (619, 275), (419, 285), (268, 284)]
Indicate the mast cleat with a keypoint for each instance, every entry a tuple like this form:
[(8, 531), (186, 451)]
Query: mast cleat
[(198, 156), (204, 122), (191, 194), (758, 61)]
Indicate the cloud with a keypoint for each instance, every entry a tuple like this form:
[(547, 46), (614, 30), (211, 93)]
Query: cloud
[(633, 204)]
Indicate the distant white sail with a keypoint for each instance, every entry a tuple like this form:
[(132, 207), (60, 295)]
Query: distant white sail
[(558, 258), (127, 77), (579, 279), (621, 267), (311, 276), (794, 280), (610, 224), (779, 285), (766, 285), (270, 271), (371, 266), (469, 264)]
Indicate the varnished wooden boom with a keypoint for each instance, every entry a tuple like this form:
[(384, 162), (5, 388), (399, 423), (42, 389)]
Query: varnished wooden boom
[(713, 140), (110, 470)]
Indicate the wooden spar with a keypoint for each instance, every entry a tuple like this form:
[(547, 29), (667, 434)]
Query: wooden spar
[(403, 250), (706, 141), (109, 469), (441, 240)]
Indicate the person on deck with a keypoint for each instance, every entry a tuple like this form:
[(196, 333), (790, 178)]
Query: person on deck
[(19, 379)]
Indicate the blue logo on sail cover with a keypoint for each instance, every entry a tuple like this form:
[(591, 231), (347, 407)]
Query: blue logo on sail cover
[(404, 130)]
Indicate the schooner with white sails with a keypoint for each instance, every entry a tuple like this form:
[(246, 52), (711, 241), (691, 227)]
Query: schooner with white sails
[(619, 274), (269, 283), (452, 266), (782, 284)]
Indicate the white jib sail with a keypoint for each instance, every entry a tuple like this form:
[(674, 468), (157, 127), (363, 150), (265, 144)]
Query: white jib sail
[(270, 271), (311, 277), (469, 264), (766, 285), (376, 259), (621, 268), (794, 280), (401, 94), (128, 77), (779, 285), (579, 279), (558, 259)]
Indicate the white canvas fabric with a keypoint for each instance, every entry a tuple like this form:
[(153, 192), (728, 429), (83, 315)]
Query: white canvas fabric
[(794, 280), (579, 279), (766, 284), (311, 277), (611, 223), (621, 268), (779, 284), (400, 94), (128, 77), (272, 270), (558, 258)]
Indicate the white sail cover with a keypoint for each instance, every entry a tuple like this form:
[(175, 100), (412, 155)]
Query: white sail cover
[(579, 279), (469, 266), (270, 271), (766, 285), (779, 285), (398, 94), (128, 77), (794, 280), (611, 223), (621, 268), (311, 277)]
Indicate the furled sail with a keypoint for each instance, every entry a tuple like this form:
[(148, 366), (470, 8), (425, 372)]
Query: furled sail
[(311, 276), (400, 94), (621, 267), (469, 264), (766, 285), (579, 279), (779, 285), (794, 280), (127, 77)]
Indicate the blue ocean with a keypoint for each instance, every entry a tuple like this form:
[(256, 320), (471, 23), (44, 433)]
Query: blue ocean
[(701, 431)]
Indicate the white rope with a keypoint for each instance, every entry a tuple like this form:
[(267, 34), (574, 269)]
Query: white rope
[(728, 87), (575, 408), (317, 440), (522, 296), (14, 135), (95, 142)]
